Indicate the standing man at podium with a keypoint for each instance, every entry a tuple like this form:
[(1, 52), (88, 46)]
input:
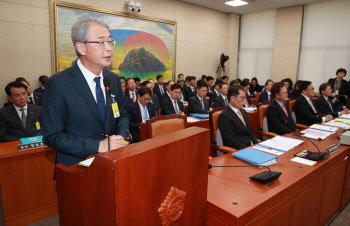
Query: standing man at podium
[(74, 110)]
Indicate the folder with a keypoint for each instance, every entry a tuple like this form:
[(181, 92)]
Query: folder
[(255, 157)]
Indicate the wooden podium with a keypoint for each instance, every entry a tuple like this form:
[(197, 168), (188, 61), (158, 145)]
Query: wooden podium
[(159, 181)]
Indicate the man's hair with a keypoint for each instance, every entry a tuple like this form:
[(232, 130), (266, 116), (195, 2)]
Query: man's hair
[(144, 83), (122, 77), (201, 83), (255, 79), (179, 75), (14, 84), (175, 86), (218, 82), (137, 79), (234, 91), (204, 77), (188, 78), (268, 81), (42, 77), (304, 85), (193, 77), (341, 70), (180, 80), (244, 83), (144, 90), (150, 80), (208, 78), (127, 80), (238, 80), (323, 87), (276, 88), (224, 77), (159, 76), (222, 84), (80, 29), (232, 83), (21, 79)]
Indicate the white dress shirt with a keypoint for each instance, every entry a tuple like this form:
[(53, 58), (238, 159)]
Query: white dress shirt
[(142, 112), (19, 112), (309, 100)]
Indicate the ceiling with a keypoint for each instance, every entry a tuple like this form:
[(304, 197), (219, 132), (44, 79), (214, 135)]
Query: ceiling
[(252, 6)]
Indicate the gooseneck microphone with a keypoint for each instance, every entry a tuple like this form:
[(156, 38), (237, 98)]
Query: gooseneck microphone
[(107, 84), (316, 156)]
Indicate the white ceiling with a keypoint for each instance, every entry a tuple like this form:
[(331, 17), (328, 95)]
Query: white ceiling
[(252, 6)]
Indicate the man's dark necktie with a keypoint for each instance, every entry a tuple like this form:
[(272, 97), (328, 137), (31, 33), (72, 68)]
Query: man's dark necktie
[(177, 111), (330, 104), (100, 99), (23, 117), (31, 100)]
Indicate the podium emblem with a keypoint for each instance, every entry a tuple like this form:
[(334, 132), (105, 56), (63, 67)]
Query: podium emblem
[(172, 207)]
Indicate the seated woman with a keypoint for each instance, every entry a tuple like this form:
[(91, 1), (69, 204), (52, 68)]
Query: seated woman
[(140, 111), (254, 86)]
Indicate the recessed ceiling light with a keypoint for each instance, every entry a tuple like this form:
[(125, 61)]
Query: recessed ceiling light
[(236, 3)]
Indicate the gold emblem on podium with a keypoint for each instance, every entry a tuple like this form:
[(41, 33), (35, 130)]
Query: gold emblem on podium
[(172, 207)]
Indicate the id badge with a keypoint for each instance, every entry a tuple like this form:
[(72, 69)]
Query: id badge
[(336, 92), (115, 109), (37, 125)]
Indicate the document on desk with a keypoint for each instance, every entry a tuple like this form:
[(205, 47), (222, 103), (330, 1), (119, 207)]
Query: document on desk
[(250, 109), (193, 119), (303, 161), (201, 116), (347, 116), (324, 128), (316, 134), (254, 157), (338, 124), (87, 162), (278, 145)]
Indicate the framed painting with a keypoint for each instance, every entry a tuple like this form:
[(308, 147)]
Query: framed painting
[(145, 46)]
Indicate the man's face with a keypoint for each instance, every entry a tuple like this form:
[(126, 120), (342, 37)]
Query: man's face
[(181, 76), (282, 95), (193, 82), (269, 86), (224, 90), (286, 84), (152, 82), (327, 92), (123, 87), (247, 87), (175, 94), (253, 82), (169, 85), (309, 92), (181, 83), (137, 84), (202, 92), (131, 85), (144, 99), (225, 80), (341, 75), (19, 97), (160, 81), (29, 89), (238, 101), (209, 83), (150, 86), (97, 57)]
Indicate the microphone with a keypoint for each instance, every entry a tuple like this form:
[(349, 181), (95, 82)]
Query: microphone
[(316, 156), (264, 177), (107, 84)]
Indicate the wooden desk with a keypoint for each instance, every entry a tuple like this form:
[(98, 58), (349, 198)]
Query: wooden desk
[(28, 191), (303, 195)]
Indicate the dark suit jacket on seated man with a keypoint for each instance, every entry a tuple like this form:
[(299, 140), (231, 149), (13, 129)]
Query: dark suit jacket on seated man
[(191, 89), (305, 109), (266, 95), (18, 119), (33, 97), (234, 123), (130, 91), (173, 105), (279, 118), (140, 111), (159, 88), (199, 103), (325, 104), (221, 100), (74, 110)]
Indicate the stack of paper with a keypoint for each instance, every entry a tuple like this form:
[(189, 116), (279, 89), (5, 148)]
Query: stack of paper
[(278, 145), (347, 116), (340, 123), (324, 128), (254, 157), (250, 109), (319, 132)]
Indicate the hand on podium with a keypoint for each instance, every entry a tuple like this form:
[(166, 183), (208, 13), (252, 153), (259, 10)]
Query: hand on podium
[(117, 141)]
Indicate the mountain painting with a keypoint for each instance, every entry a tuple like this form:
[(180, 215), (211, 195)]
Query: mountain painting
[(145, 48)]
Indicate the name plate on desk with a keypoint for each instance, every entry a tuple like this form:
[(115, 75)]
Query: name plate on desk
[(332, 149), (22, 147)]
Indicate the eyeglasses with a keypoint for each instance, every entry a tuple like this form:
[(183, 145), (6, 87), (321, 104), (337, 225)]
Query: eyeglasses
[(284, 93), (178, 93), (103, 43), (146, 99), (203, 91), (243, 98)]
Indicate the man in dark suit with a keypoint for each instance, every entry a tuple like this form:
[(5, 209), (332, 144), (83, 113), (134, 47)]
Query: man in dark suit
[(166, 94), (159, 88), (266, 95), (234, 123), (191, 89), (215, 92), (279, 118), (154, 98), (198, 103), (19, 119), (325, 104), (340, 86), (305, 109), (140, 111), (130, 91), (221, 100), (42, 80), (172, 105), (181, 82), (33, 97), (74, 118), (246, 86)]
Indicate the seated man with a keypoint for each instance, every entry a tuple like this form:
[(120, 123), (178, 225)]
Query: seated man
[(325, 104), (266, 95), (221, 100), (246, 87), (130, 92), (154, 98), (19, 119), (159, 88), (215, 91), (191, 89), (305, 109), (166, 94), (199, 103), (33, 97), (42, 80), (234, 123), (279, 118), (140, 111), (173, 105)]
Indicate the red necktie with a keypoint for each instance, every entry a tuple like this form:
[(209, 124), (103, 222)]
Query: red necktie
[(241, 116), (246, 103), (133, 97)]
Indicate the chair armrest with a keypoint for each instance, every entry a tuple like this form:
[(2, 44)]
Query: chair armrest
[(269, 134), (226, 149), (301, 126)]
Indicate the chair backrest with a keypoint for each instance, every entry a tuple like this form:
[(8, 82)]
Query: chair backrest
[(291, 107), (186, 109), (257, 96), (212, 105), (254, 101), (213, 122), (161, 125), (262, 108), (159, 112)]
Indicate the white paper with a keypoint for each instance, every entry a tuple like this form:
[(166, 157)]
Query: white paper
[(347, 116), (87, 162), (304, 161), (193, 119), (250, 109), (268, 150), (337, 124), (316, 134), (281, 143), (324, 128)]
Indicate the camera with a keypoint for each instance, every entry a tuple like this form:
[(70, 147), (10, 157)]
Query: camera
[(223, 59)]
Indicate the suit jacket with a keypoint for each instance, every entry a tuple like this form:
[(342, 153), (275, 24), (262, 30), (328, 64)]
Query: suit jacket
[(156, 90), (344, 88), (277, 121), (128, 98), (324, 108), (264, 97), (212, 96), (233, 132), (72, 123), (11, 126), (219, 102), (136, 118), (189, 93), (155, 101), (195, 106), (248, 99), (258, 88), (164, 96), (168, 108), (304, 113), (40, 90)]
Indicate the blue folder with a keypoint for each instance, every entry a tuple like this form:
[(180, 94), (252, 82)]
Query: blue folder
[(28, 140), (255, 157), (202, 116)]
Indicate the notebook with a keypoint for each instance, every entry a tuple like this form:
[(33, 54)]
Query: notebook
[(255, 157)]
